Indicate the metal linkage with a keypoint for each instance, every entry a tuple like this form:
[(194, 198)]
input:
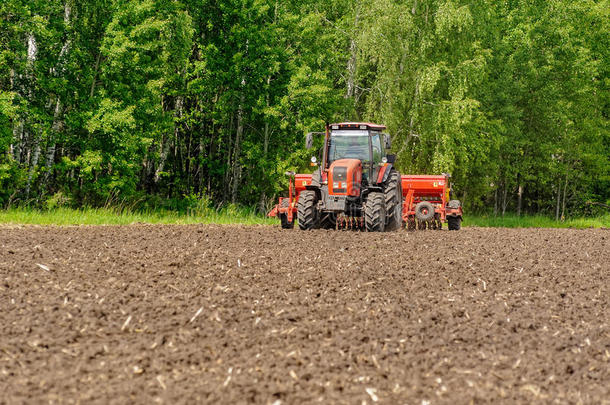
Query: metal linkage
[(345, 222)]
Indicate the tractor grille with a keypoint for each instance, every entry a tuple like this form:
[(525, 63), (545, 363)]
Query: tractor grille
[(340, 179)]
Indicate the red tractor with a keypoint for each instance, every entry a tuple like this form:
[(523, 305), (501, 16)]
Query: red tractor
[(356, 186)]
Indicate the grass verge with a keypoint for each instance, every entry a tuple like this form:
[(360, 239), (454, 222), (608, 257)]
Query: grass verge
[(245, 216), (109, 216), (536, 221)]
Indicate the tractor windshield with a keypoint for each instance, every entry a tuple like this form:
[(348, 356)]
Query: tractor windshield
[(349, 144)]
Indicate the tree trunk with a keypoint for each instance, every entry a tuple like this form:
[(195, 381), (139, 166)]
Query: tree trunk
[(563, 205), (50, 156), (263, 200), (504, 201), (496, 202), (31, 59), (33, 164), (58, 112), (558, 201), (165, 146), (227, 182), (18, 140), (19, 131), (351, 63), (237, 151), (95, 71), (519, 199)]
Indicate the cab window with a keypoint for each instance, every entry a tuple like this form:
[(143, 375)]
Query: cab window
[(377, 148)]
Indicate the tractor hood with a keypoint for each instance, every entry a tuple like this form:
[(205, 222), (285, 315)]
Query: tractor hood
[(345, 177)]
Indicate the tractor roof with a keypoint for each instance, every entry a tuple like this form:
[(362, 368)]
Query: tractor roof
[(358, 125)]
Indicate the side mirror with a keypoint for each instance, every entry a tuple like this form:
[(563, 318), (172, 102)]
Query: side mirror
[(391, 158), (309, 140), (387, 141)]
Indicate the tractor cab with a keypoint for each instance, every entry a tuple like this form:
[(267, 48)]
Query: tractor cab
[(355, 141)]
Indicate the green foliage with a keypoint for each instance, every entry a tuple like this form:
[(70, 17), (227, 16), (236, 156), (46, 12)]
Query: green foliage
[(192, 105)]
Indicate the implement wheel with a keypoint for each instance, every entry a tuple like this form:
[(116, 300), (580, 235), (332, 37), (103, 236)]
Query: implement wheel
[(374, 213), (307, 213), (284, 218), (393, 202), (424, 211), (454, 223)]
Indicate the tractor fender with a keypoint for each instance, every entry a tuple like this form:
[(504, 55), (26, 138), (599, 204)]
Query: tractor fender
[(316, 189), (371, 189)]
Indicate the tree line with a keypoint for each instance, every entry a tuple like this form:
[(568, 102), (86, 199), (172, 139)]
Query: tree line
[(165, 103)]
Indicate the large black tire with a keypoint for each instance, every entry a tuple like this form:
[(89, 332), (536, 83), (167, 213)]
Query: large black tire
[(454, 223), (424, 211), (374, 212), (307, 213), (284, 218), (393, 201)]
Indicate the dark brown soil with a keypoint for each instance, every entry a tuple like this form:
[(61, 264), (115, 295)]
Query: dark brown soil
[(228, 314)]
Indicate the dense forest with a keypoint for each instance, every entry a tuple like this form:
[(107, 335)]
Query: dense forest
[(167, 103)]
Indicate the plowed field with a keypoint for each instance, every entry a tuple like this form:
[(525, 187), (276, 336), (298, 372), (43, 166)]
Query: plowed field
[(230, 314)]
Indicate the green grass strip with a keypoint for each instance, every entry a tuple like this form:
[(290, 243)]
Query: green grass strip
[(536, 221), (245, 216), (108, 216)]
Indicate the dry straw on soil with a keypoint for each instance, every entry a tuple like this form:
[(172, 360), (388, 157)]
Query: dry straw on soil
[(228, 314)]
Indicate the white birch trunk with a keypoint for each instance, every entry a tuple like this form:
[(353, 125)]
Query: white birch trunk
[(58, 112), (20, 133), (352, 61)]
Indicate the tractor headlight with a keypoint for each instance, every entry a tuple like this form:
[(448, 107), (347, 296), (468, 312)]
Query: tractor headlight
[(313, 159)]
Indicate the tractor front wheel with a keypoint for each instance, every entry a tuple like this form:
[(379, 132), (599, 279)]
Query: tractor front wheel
[(374, 212), (307, 213)]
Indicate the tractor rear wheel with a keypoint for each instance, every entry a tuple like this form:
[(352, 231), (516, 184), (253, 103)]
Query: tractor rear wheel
[(393, 202), (454, 223), (307, 213), (374, 212), (284, 217)]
